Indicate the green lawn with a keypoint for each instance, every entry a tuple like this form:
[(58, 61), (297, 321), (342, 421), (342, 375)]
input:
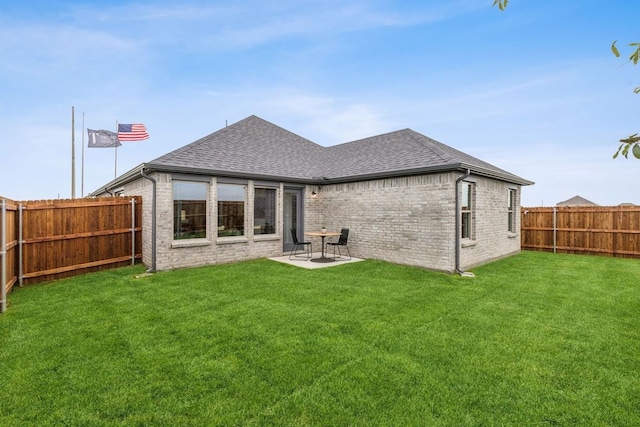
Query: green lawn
[(534, 340)]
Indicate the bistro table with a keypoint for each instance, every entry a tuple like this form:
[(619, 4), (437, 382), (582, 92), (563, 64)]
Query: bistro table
[(322, 258)]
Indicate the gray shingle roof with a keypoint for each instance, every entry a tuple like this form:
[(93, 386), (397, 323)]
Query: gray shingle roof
[(576, 201), (250, 147), (255, 148)]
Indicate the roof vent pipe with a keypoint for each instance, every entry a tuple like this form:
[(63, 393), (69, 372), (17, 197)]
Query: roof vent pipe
[(152, 269)]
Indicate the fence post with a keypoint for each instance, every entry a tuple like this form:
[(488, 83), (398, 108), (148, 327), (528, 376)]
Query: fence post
[(133, 231), (20, 244), (3, 257), (555, 228)]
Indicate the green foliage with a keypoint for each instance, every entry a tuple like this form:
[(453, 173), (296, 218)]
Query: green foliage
[(631, 143), (635, 55), (534, 339), (502, 4)]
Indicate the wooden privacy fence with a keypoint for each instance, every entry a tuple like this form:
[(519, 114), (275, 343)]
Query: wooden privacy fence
[(611, 230), (8, 249), (51, 239)]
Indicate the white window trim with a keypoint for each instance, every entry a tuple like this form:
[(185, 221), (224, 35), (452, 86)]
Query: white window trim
[(511, 211), (471, 240)]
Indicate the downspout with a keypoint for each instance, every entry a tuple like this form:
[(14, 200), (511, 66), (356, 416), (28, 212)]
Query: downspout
[(458, 215), (152, 269)]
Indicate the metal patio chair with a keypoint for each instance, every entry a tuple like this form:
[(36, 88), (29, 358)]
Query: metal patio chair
[(342, 241), (297, 244)]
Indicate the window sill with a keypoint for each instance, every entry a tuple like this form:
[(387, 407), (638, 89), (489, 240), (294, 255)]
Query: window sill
[(512, 235), (265, 237), (468, 243), (230, 240), (190, 243)]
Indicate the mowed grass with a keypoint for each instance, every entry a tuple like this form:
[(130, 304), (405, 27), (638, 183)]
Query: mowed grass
[(535, 339)]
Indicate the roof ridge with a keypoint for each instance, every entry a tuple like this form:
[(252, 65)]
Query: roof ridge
[(201, 139), (254, 146), (432, 144)]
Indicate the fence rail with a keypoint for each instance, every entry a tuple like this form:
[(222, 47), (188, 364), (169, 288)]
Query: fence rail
[(609, 230), (50, 239)]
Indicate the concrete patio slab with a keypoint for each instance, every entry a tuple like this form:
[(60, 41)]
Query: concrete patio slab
[(302, 261)]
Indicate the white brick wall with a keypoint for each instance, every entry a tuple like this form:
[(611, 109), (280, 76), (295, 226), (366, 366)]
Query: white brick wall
[(142, 187), (172, 254), (411, 220), (407, 220), (492, 238)]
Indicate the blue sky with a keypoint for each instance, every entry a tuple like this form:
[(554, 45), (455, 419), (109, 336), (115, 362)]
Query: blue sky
[(534, 90)]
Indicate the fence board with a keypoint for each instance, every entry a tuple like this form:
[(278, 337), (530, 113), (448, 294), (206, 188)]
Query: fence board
[(602, 230), (8, 248), (62, 238)]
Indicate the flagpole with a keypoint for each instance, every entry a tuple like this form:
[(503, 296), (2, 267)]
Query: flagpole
[(82, 178), (115, 162), (73, 153)]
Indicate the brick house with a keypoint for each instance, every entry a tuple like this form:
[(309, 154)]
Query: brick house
[(406, 198)]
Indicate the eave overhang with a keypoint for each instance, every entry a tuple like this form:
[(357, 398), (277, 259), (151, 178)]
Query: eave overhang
[(135, 173)]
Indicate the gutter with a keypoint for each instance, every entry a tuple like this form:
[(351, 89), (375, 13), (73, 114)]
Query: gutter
[(457, 228), (152, 269), (320, 180), (133, 174)]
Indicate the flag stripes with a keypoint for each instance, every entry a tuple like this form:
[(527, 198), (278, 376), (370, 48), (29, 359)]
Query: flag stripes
[(132, 132)]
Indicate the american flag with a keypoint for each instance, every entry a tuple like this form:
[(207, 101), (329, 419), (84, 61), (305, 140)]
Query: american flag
[(132, 132)]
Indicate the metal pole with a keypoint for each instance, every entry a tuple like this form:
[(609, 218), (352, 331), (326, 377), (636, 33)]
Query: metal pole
[(3, 258), (115, 161), (82, 172), (133, 231), (73, 153)]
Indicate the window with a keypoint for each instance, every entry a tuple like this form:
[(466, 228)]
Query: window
[(189, 210), (264, 211), (231, 199), (511, 210), (467, 210)]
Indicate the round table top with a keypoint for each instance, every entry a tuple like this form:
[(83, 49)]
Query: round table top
[(320, 233)]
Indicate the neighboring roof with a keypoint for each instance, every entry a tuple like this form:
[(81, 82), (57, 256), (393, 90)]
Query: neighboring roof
[(576, 201), (255, 148)]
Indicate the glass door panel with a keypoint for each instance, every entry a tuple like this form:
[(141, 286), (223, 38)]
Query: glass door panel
[(292, 216)]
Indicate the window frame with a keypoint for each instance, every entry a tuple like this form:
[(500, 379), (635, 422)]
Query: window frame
[(199, 232), (222, 233), (467, 210), (511, 210), (265, 229)]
